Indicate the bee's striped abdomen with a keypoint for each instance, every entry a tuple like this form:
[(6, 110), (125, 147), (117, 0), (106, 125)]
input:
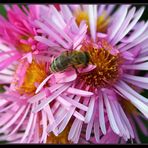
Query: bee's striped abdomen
[(69, 59), (60, 63)]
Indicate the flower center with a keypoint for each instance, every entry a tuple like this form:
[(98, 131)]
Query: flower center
[(28, 75), (24, 48), (26, 44), (107, 61), (61, 138), (101, 24)]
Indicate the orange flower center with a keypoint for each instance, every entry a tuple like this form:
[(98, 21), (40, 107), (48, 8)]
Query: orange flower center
[(107, 69), (22, 47), (35, 73)]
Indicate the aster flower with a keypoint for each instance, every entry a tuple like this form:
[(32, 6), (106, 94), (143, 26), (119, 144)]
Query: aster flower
[(24, 74), (17, 120), (20, 74), (17, 32), (117, 47)]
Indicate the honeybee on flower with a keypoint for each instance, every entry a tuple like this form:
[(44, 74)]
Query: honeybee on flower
[(115, 42)]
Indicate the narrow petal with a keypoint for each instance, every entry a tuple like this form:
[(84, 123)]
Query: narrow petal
[(79, 92), (16, 116), (133, 92), (89, 128), (89, 112), (101, 114), (140, 105), (9, 61), (47, 30), (75, 103), (110, 114), (119, 121), (42, 84), (120, 16), (126, 121), (21, 121), (120, 34), (50, 98), (92, 21), (28, 127), (142, 66), (136, 33)]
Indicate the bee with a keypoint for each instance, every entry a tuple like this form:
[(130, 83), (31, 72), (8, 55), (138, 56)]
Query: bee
[(69, 59)]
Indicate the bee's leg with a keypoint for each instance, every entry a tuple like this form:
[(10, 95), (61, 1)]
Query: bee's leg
[(75, 69)]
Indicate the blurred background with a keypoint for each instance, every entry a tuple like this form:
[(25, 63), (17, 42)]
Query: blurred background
[(143, 138)]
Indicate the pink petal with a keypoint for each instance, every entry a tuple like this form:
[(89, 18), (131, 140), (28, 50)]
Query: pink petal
[(55, 36), (133, 92), (88, 68), (126, 121), (28, 128), (110, 114), (101, 115), (92, 12), (66, 76), (9, 61), (32, 129), (43, 83), (44, 123), (58, 30), (127, 55), (140, 105), (79, 92), (142, 66), (50, 98), (101, 35), (64, 102), (90, 123), (136, 33), (118, 20), (119, 121), (15, 117), (75, 103), (45, 41), (90, 110), (28, 56), (120, 34), (21, 121), (58, 120)]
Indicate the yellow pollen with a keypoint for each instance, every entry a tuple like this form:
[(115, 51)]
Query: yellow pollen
[(102, 21), (107, 70), (61, 138), (35, 73), (24, 48)]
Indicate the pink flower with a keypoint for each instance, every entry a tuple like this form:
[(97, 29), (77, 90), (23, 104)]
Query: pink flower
[(15, 111), (116, 44), (20, 73), (17, 34)]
